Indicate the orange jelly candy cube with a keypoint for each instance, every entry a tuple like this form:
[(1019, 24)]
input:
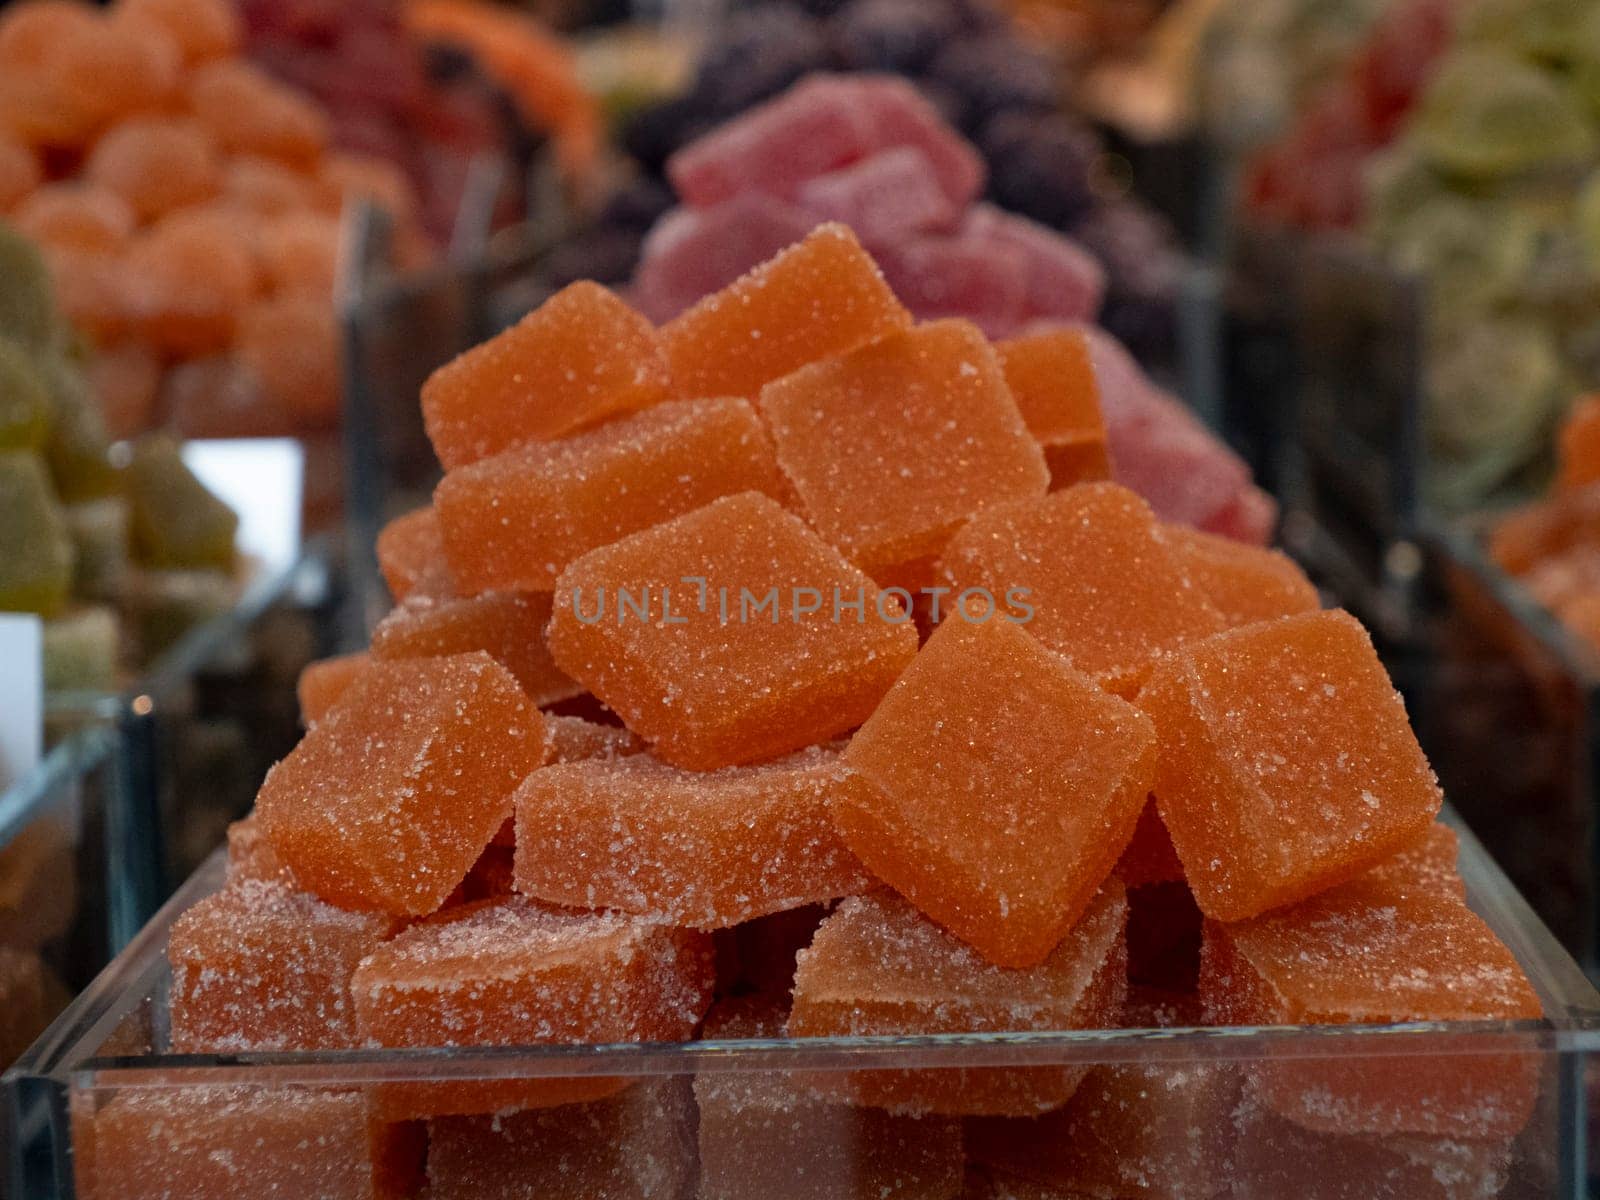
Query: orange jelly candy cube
[(324, 681), (218, 1142), (1052, 376), (1287, 762), (637, 1145), (1100, 586), (1244, 583), (764, 1134), (573, 739), (510, 973), (251, 856), (507, 626), (1162, 1130), (892, 446), (388, 801), (579, 358), (260, 966), (1000, 834), (516, 520), (1428, 864), (411, 556), (878, 967), (1375, 951), (704, 849), (821, 297), (721, 637)]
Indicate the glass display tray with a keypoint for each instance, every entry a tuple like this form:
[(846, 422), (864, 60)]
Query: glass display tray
[(108, 1050)]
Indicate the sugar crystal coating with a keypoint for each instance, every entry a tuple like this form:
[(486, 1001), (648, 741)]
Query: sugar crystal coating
[(511, 972), (251, 856), (322, 682), (893, 445), (1376, 950), (218, 1142), (1052, 376), (1428, 864), (1287, 762), (730, 652), (581, 357), (260, 966), (388, 801), (878, 967), (764, 1134), (508, 626), (1244, 583), (573, 739), (821, 297), (1103, 589), (1162, 1130), (411, 556), (1001, 837), (517, 519), (704, 849), (636, 1145)]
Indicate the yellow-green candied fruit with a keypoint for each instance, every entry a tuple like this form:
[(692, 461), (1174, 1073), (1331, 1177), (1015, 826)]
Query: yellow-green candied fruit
[(24, 401), (176, 521), (35, 545), (27, 304), (78, 449)]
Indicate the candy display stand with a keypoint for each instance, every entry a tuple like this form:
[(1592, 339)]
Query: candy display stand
[(1510, 715), (104, 1062)]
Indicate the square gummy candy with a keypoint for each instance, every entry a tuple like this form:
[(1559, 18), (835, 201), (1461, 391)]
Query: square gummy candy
[(763, 1134), (636, 1145), (1376, 950), (1000, 834), (822, 297), (516, 520), (411, 556), (507, 626), (728, 635), (1244, 583), (1428, 864), (510, 972), (1162, 1130), (1053, 379), (704, 849), (579, 358), (1287, 762), (322, 682), (223, 1142), (260, 966), (251, 856), (1099, 585), (893, 445), (879, 967), (573, 739), (388, 801)]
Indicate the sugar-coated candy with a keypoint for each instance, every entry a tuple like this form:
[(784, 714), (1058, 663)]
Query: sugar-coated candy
[(703, 849), (578, 359), (203, 29), (28, 313), (1002, 837), (891, 195), (1149, 856), (1052, 376), (246, 111), (783, 670), (1428, 864), (511, 972), (24, 399), (81, 216), (517, 519), (389, 799), (1101, 587), (1064, 282), (101, 557), (939, 276), (78, 449), (35, 545), (260, 966), (177, 522), (878, 967), (636, 1145), (574, 739), (1578, 450), (1162, 1130), (822, 297), (1378, 951), (764, 1134), (323, 682), (902, 115), (156, 164), (1244, 583), (508, 626), (893, 445), (81, 649), (251, 856), (1287, 761), (221, 1142), (411, 556)]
